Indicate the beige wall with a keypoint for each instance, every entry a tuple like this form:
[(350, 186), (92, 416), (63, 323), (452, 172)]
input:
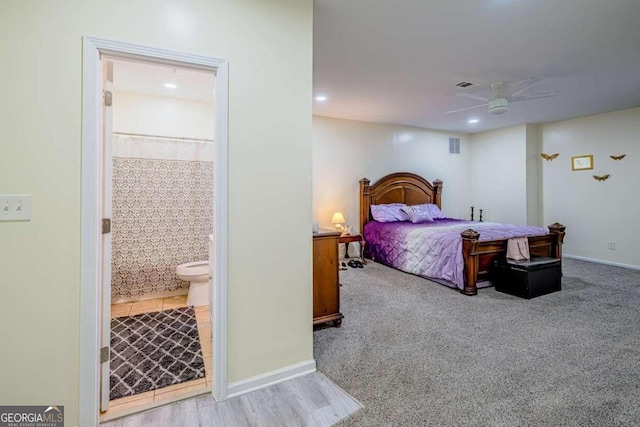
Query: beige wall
[(268, 45), (344, 151), (162, 115), (498, 174), (534, 176), (594, 212), (505, 170)]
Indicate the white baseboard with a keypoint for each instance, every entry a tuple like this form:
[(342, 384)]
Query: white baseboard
[(270, 378), (600, 261)]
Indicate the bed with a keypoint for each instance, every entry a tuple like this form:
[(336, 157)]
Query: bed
[(453, 252)]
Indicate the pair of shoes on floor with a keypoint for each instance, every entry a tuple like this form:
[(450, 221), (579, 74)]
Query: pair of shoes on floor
[(355, 264)]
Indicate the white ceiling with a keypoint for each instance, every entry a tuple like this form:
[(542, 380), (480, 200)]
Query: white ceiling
[(398, 61), (149, 79)]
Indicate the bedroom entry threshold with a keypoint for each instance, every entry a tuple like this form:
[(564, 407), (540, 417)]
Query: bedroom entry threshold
[(289, 403), (130, 411)]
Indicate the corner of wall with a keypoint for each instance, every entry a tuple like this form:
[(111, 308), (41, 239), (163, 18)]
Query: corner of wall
[(498, 174), (533, 175)]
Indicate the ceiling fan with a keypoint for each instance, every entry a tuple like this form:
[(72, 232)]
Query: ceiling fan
[(503, 95)]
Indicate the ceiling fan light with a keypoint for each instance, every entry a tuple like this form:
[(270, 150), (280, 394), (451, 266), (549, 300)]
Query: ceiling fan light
[(498, 106)]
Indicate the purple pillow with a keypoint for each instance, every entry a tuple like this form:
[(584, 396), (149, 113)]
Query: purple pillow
[(390, 212), (434, 211), (418, 213)]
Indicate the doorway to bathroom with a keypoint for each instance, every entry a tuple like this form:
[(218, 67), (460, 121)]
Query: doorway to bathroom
[(96, 254), (158, 204)]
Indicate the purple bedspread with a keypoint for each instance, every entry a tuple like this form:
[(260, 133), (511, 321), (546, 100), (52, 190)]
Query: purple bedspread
[(433, 249)]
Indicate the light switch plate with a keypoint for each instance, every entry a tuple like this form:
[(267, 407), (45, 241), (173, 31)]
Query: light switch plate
[(15, 207)]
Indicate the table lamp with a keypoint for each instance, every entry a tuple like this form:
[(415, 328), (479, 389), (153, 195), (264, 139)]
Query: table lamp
[(338, 220)]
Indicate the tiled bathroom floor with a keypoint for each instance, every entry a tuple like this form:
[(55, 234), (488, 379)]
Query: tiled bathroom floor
[(204, 332)]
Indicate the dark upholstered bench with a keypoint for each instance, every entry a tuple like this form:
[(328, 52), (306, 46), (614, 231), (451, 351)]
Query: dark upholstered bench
[(528, 279)]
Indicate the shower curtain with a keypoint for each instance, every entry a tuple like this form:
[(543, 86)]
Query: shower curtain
[(162, 212)]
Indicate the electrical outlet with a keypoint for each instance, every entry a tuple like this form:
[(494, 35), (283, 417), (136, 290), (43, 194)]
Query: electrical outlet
[(15, 207), (612, 246)]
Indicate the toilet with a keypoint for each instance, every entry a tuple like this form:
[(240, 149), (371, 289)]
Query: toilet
[(197, 273)]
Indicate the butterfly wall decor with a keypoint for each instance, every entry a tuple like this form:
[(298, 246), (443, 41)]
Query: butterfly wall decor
[(620, 157), (601, 177), (549, 157)]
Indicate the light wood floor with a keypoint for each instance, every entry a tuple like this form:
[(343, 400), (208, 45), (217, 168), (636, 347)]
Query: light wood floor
[(162, 394), (312, 400)]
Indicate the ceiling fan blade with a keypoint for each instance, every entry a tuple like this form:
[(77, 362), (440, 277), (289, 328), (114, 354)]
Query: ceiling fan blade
[(526, 85), (467, 108), (535, 96), (472, 96)]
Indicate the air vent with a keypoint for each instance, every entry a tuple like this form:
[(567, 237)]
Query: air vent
[(454, 145), (464, 84)]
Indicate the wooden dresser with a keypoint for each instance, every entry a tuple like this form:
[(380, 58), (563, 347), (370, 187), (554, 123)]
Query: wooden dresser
[(326, 289)]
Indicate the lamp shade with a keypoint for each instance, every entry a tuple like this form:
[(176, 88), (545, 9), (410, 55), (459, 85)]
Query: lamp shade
[(338, 218)]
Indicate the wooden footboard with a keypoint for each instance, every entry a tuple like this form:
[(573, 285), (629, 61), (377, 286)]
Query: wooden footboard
[(479, 255)]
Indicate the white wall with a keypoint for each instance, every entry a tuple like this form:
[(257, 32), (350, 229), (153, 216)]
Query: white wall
[(498, 174), (269, 48), (162, 116), (344, 151), (534, 175), (594, 212)]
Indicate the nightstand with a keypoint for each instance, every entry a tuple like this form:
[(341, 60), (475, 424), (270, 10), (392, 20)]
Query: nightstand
[(326, 289), (353, 238)]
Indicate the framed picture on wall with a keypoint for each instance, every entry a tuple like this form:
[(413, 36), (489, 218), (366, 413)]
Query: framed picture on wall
[(579, 163)]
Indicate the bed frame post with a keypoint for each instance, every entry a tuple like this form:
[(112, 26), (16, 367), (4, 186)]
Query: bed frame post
[(557, 230), (470, 239), (365, 202), (437, 184)]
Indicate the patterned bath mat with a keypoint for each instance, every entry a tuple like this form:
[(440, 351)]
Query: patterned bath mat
[(154, 350)]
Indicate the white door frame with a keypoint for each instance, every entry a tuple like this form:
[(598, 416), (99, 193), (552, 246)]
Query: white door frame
[(91, 211), (106, 199)]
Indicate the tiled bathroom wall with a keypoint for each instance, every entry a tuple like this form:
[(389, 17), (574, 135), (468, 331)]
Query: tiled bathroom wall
[(162, 212)]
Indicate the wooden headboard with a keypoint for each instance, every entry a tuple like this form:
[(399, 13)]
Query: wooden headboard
[(401, 187)]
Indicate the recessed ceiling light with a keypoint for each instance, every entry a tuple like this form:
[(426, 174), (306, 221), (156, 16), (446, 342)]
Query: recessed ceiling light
[(170, 85), (321, 97), (472, 121)]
